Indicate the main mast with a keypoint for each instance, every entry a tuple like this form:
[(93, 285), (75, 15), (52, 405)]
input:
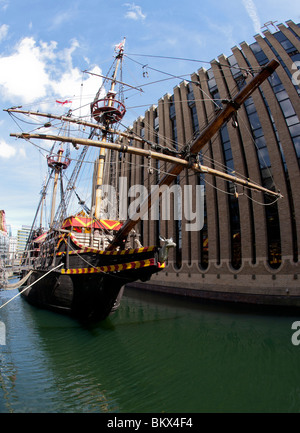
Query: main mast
[(106, 112)]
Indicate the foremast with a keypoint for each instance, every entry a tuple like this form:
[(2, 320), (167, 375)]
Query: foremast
[(57, 163)]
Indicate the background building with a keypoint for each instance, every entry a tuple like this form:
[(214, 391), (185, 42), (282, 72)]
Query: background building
[(249, 245), (22, 236), (4, 239), (12, 249)]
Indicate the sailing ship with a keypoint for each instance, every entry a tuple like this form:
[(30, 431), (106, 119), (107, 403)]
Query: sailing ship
[(80, 265)]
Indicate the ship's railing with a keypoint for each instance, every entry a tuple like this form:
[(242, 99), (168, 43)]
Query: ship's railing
[(100, 242), (15, 263), (111, 108), (57, 161)]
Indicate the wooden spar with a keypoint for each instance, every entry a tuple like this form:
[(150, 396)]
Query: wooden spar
[(104, 144), (179, 164), (155, 155), (77, 122), (236, 180)]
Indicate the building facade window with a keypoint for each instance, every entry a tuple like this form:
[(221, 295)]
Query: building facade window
[(259, 53), (177, 222), (234, 214), (193, 109), (235, 228), (142, 225), (157, 176), (290, 50), (286, 43), (203, 234), (282, 96), (271, 210), (240, 75), (288, 111)]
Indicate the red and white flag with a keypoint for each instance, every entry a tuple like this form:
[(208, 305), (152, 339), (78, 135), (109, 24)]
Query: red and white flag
[(64, 102), (120, 46)]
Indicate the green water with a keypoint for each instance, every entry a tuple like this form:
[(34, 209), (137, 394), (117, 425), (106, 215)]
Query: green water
[(156, 354)]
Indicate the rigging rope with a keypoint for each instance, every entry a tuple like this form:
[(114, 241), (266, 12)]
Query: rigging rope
[(187, 60)]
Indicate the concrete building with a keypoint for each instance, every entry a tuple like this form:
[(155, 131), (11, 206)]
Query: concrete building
[(22, 236), (4, 239), (12, 248), (4, 244), (248, 247)]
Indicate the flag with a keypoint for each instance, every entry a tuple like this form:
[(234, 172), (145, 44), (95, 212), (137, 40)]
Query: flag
[(64, 102), (120, 46)]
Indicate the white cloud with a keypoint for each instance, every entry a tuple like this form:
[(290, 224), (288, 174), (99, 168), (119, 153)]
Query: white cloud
[(6, 150), (3, 31), (134, 12), (24, 74), (4, 4), (36, 71), (61, 18), (253, 14)]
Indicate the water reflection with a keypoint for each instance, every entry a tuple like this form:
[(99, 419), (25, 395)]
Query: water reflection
[(156, 354)]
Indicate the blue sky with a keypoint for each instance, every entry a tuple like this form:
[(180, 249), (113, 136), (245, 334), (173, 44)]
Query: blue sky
[(45, 46)]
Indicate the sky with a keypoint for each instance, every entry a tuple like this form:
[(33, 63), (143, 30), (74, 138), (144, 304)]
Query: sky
[(46, 46)]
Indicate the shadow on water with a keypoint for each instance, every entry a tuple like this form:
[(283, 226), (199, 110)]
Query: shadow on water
[(207, 305), (157, 353)]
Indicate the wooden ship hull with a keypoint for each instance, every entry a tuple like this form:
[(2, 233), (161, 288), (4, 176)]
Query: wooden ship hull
[(69, 276), (84, 297), (81, 294)]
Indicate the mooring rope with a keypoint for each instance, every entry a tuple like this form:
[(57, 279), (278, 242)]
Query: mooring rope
[(18, 294), (18, 284)]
